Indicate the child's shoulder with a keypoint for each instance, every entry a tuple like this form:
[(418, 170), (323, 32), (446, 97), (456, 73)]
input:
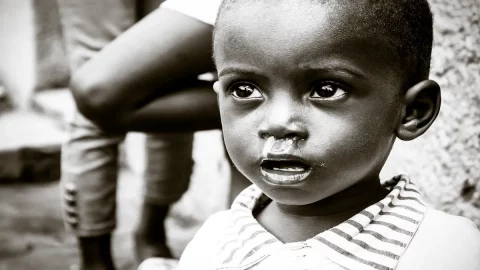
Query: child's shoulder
[(443, 241)]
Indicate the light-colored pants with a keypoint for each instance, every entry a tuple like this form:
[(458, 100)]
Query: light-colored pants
[(90, 156)]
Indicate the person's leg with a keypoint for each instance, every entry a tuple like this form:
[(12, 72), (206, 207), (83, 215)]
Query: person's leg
[(159, 54), (167, 175), (89, 174), (89, 156)]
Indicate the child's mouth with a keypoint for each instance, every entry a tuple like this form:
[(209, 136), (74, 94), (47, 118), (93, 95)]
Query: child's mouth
[(284, 172)]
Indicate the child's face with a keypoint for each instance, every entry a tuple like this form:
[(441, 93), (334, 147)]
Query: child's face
[(298, 73)]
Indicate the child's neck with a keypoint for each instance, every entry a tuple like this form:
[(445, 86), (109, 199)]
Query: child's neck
[(293, 223), (353, 198)]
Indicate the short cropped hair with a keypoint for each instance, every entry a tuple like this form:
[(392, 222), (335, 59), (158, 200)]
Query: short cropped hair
[(405, 26)]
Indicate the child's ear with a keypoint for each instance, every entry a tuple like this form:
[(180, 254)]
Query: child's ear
[(216, 87), (422, 104)]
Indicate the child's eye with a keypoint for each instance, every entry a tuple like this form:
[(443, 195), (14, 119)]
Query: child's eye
[(326, 90), (246, 91)]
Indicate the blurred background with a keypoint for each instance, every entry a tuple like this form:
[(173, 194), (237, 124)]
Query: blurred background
[(35, 101)]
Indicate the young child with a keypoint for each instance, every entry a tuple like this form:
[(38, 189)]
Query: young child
[(312, 95)]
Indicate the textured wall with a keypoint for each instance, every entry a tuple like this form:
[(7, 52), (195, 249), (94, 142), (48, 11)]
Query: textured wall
[(445, 162), (31, 49), (16, 50), (51, 64)]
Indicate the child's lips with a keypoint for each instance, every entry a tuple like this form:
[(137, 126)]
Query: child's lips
[(285, 171)]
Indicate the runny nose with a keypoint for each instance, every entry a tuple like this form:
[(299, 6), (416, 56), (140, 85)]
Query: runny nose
[(279, 146)]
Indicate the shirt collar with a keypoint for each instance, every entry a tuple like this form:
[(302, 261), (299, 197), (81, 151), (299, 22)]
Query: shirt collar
[(375, 238)]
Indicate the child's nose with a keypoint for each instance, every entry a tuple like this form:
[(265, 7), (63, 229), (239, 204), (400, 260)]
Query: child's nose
[(283, 118)]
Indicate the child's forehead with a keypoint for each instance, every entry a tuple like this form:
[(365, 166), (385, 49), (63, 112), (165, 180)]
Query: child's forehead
[(278, 18), (300, 27), (268, 9)]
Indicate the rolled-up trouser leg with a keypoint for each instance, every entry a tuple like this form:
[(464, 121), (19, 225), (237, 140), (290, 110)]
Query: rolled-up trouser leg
[(89, 178), (168, 167), (89, 157)]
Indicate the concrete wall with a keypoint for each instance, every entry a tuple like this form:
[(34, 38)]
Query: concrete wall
[(51, 63), (445, 162), (32, 55), (17, 49)]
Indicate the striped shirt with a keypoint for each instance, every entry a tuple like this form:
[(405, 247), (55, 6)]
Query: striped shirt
[(375, 238)]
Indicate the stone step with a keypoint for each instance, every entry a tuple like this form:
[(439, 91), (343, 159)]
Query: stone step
[(29, 147), (30, 141)]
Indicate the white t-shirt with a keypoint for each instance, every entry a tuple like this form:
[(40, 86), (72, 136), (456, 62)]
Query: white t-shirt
[(398, 232), (202, 10)]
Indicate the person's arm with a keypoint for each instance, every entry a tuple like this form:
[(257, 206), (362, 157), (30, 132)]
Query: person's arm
[(161, 54), (191, 108)]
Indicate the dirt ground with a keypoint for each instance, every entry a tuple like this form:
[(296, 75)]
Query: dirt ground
[(32, 235)]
